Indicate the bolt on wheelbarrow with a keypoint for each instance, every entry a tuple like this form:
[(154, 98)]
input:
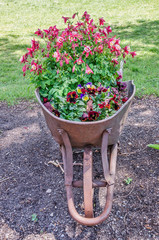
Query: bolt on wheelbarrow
[(87, 135)]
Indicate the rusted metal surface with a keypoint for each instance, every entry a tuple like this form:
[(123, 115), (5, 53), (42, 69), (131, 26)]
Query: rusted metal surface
[(95, 183), (109, 197), (104, 153), (87, 182), (82, 134)]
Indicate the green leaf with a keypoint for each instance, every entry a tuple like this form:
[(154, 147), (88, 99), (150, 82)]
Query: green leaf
[(34, 217), (128, 180), (155, 146)]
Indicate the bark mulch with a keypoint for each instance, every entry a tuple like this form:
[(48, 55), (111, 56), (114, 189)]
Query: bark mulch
[(29, 184)]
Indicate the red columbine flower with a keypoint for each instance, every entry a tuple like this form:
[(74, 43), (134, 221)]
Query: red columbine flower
[(39, 33), (133, 54), (65, 19), (23, 59), (86, 16), (119, 75), (34, 44), (98, 38), (79, 61), (126, 49), (109, 30), (101, 21), (88, 70), (73, 69), (30, 52), (71, 97), (60, 41), (100, 48), (114, 60), (74, 15), (56, 55), (93, 115), (36, 68), (87, 50), (24, 68)]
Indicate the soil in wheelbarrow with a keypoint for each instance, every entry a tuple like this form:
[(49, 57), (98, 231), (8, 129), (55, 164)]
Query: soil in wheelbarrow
[(32, 195)]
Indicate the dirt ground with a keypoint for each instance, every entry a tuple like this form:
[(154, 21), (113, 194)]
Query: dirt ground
[(29, 184)]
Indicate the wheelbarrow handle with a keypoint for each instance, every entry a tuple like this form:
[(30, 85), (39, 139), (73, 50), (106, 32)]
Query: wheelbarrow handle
[(109, 174)]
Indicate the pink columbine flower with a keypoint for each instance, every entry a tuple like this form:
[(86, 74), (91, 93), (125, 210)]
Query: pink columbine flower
[(56, 55), (98, 38), (24, 68), (104, 31), (73, 69), (79, 61), (115, 61), (88, 70), (66, 60), (109, 30), (127, 49), (74, 15), (30, 52), (65, 19), (101, 21), (60, 41), (48, 46), (39, 33), (133, 54), (74, 45), (86, 16), (87, 50), (36, 68), (100, 48), (23, 59), (61, 62)]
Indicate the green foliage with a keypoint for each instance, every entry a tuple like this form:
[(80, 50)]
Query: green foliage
[(139, 29), (128, 180), (155, 146), (34, 218)]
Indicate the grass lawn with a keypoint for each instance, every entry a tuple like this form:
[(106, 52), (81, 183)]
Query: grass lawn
[(135, 22)]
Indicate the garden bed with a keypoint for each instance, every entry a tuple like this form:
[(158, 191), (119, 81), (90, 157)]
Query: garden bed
[(31, 185)]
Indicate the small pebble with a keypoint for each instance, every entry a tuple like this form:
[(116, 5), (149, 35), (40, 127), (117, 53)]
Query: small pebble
[(48, 191)]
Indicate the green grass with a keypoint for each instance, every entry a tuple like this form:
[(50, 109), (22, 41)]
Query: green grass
[(135, 22)]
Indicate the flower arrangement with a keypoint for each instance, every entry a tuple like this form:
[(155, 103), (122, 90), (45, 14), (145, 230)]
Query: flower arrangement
[(77, 69)]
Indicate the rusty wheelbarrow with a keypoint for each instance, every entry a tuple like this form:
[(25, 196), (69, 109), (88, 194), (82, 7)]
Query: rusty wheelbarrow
[(104, 133)]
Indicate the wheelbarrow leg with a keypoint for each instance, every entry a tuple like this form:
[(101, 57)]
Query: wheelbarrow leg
[(87, 182), (109, 174)]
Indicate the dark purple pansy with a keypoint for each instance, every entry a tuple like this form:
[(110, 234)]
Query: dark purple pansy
[(93, 115), (84, 117), (56, 113), (49, 106), (122, 85), (71, 97)]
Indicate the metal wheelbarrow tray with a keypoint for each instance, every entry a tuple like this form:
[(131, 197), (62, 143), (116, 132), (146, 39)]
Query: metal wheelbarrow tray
[(104, 133)]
